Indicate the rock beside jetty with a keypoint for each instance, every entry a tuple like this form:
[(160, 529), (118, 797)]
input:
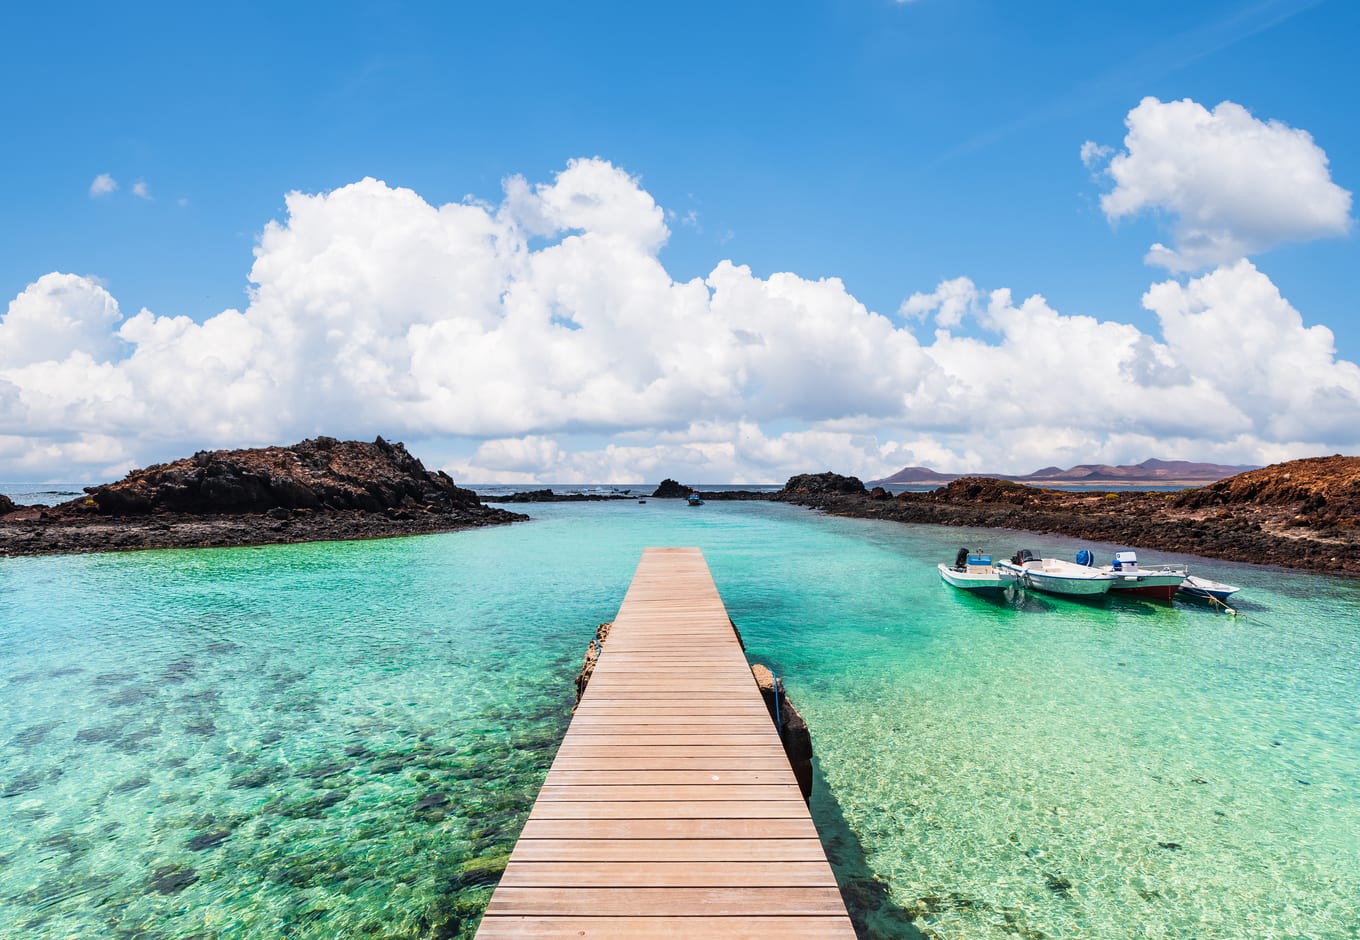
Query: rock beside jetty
[(793, 730), (1301, 514), (6, 505), (319, 489)]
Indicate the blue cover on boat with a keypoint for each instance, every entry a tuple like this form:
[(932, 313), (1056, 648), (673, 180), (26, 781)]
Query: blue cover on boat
[(1084, 557), (979, 559)]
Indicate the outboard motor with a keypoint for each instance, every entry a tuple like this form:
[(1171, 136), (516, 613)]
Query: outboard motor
[(1086, 558), (961, 559), (1022, 556)]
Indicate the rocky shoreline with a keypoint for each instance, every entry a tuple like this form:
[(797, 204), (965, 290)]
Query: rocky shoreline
[(318, 490), (1303, 514)]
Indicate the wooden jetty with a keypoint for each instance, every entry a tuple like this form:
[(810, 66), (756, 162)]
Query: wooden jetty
[(671, 810)]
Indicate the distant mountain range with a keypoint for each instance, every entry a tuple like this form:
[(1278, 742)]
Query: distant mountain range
[(1148, 473)]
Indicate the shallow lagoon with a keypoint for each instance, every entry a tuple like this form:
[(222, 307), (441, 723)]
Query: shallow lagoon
[(344, 739)]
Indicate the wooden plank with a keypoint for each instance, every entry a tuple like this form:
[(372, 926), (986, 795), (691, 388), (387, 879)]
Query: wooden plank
[(669, 902), (701, 777), (831, 927), (568, 762), (666, 850), (673, 740), (710, 791), (774, 874), (671, 829), (670, 810), (576, 748)]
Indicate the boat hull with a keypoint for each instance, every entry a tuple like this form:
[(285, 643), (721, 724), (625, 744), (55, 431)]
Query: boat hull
[(1072, 584), (1160, 585), (975, 581), (1156, 592), (1205, 589)]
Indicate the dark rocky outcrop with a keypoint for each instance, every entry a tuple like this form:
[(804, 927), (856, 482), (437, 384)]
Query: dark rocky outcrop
[(670, 489), (1301, 514), (320, 473), (810, 489), (673, 489), (748, 495), (548, 496), (319, 489), (793, 730), (6, 505)]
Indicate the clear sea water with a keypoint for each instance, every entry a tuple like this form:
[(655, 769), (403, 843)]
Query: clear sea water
[(343, 739)]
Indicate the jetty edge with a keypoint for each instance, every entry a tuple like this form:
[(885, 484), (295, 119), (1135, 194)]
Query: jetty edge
[(671, 809), (320, 489)]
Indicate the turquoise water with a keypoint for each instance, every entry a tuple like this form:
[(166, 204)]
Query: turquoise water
[(344, 739)]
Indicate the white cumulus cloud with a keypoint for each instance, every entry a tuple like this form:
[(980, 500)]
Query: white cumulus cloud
[(1231, 185), (103, 185), (542, 339)]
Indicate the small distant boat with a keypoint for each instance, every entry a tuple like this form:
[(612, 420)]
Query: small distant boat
[(1055, 576), (1205, 589), (1157, 581), (694, 499), (975, 572)]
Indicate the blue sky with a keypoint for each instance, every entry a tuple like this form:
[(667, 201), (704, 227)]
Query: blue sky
[(894, 146)]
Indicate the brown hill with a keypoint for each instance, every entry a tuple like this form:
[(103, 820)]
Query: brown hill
[(1148, 473), (1318, 492)]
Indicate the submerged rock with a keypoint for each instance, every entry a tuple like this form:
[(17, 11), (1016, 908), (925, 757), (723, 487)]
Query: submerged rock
[(208, 840), (172, 879)]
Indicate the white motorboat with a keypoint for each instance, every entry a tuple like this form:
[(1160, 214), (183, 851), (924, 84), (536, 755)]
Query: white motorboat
[(1205, 589), (1157, 581), (1055, 576), (975, 572)]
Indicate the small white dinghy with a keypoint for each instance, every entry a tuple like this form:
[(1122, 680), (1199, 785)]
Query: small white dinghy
[(975, 572), (1205, 589)]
